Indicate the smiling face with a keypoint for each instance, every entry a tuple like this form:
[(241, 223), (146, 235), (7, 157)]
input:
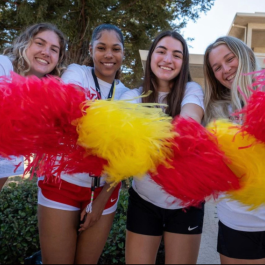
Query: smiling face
[(224, 64), (166, 61), (43, 53), (107, 53)]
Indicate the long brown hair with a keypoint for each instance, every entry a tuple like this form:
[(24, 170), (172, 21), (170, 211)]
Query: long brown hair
[(175, 96)]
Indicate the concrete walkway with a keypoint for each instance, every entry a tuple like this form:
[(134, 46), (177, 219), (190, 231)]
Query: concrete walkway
[(208, 253)]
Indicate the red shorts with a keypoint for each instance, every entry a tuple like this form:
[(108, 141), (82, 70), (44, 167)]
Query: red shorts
[(62, 192)]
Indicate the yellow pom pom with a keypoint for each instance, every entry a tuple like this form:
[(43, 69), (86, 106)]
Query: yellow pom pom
[(131, 137), (247, 162)]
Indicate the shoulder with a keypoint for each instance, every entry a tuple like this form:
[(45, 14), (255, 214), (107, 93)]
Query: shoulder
[(5, 59), (193, 94), (132, 94), (77, 67), (6, 65), (193, 87), (120, 86), (77, 74)]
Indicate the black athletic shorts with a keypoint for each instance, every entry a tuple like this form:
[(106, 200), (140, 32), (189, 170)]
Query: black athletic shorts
[(239, 244), (147, 219)]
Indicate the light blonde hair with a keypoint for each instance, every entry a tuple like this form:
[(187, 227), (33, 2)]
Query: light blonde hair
[(17, 52), (218, 98)]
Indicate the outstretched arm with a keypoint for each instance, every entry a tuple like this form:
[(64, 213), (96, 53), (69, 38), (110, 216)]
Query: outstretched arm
[(193, 111)]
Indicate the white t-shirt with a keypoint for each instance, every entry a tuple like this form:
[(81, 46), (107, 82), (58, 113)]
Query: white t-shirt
[(236, 215), (5, 66), (146, 187), (82, 75)]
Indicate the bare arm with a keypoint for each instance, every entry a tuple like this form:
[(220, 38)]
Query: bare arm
[(98, 207), (193, 111)]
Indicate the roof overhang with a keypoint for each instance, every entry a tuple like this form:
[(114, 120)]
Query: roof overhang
[(240, 22)]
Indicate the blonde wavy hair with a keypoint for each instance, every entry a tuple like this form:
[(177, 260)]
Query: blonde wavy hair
[(218, 98), (17, 52)]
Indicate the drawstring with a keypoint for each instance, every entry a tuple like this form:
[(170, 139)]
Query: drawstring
[(89, 206), (95, 183)]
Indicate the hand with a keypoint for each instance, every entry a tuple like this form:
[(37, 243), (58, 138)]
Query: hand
[(97, 208), (93, 217)]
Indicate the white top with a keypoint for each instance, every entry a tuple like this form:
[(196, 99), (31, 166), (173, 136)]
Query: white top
[(236, 215), (146, 187), (5, 66), (82, 75)]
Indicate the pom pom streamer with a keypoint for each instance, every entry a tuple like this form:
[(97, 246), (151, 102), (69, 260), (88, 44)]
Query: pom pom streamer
[(254, 123), (254, 115), (247, 162), (39, 116), (77, 161), (131, 137), (197, 169), (36, 115)]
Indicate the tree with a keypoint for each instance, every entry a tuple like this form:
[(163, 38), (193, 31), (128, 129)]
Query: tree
[(140, 21)]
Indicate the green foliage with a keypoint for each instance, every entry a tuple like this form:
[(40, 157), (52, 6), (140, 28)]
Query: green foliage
[(114, 251), (140, 21), (18, 225), (18, 222)]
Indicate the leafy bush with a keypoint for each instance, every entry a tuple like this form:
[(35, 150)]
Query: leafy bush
[(19, 233), (18, 222)]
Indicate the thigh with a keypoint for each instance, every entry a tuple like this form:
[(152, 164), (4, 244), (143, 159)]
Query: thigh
[(2, 182), (58, 235), (91, 242), (143, 217), (141, 249), (181, 248)]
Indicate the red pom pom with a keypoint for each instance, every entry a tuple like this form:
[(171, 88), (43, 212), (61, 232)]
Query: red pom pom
[(77, 161), (254, 123), (37, 115), (254, 115), (197, 169)]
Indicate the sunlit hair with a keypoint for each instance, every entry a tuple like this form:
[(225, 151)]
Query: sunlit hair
[(97, 33), (17, 52), (176, 94), (218, 98)]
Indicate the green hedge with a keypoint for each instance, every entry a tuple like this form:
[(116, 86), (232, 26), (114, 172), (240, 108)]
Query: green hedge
[(19, 233), (18, 225), (18, 222)]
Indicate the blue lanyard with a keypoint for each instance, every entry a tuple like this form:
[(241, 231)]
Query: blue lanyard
[(98, 87)]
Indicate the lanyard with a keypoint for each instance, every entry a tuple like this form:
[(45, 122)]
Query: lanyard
[(98, 87), (96, 180)]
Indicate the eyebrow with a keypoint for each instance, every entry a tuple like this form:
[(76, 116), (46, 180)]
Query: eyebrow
[(46, 42), (102, 43), (163, 47), (224, 57)]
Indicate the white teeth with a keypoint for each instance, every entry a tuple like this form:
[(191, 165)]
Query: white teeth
[(108, 64), (42, 61), (230, 77), (165, 68)]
